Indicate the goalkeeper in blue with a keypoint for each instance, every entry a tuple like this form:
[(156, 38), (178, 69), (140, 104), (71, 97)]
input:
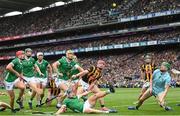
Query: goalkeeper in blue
[(159, 87)]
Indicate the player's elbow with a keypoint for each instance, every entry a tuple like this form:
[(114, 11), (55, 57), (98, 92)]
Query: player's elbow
[(85, 72), (81, 69), (54, 65), (8, 67)]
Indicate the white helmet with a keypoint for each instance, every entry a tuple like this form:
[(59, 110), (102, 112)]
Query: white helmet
[(39, 53)]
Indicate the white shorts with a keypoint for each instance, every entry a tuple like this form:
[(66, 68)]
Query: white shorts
[(87, 105), (41, 80), (84, 85), (146, 85), (60, 81), (29, 79), (75, 81), (10, 85)]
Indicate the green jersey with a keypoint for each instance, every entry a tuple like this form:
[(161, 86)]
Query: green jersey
[(43, 65), (65, 67), (28, 67), (74, 71), (17, 66), (74, 104)]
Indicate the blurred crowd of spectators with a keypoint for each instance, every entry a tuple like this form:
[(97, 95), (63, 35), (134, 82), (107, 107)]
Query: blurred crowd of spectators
[(81, 13), (143, 7), (105, 41), (126, 73)]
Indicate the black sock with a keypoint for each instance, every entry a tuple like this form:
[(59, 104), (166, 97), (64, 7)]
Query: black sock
[(102, 106), (19, 99), (137, 107)]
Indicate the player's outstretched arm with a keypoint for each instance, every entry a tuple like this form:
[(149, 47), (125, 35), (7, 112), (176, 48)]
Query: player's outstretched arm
[(150, 88), (164, 94), (80, 74), (55, 68), (79, 68), (84, 94)]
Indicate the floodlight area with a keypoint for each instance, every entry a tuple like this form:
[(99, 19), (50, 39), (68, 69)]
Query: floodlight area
[(14, 13), (35, 9), (60, 3)]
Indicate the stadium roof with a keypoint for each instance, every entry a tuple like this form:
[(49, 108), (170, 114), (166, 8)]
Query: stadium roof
[(7, 6)]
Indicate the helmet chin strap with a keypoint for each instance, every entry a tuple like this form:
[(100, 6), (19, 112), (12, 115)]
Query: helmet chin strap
[(28, 56), (163, 71)]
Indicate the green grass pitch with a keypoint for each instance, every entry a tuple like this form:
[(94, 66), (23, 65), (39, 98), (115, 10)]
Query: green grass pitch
[(120, 100)]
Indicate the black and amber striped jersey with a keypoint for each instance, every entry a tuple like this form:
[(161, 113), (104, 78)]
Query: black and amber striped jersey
[(93, 74), (53, 89), (148, 71)]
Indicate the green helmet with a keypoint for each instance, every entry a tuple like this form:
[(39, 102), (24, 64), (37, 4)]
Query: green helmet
[(28, 49), (166, 64), (69, 52)]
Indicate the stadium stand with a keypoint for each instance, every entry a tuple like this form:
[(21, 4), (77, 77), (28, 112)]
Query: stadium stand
[(90, 12), (77, 14)]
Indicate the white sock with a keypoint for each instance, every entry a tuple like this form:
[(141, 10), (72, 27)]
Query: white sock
[(106, 112), (38, 102), (108, 92), (59, 105)]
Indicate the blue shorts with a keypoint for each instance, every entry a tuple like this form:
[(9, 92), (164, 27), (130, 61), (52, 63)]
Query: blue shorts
[(156, 93)]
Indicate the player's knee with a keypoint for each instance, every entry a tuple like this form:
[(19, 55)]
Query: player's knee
[(12, 97), (87, 110), (141, 100), (22, 87), (95, 96)]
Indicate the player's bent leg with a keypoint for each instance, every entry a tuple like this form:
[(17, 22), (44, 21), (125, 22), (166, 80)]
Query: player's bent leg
[(5, 105), (12, 97), (101, 100), (9, 88), (93, 99), (31, 99), (32, 83), (20, 84), (91, 110), (34, 87), (143, 90), (63, 87), (41, 85), (90, 103), (49, 96), (145, 96)]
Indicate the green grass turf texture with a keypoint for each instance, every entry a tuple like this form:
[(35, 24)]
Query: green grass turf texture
[(120, 101)]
